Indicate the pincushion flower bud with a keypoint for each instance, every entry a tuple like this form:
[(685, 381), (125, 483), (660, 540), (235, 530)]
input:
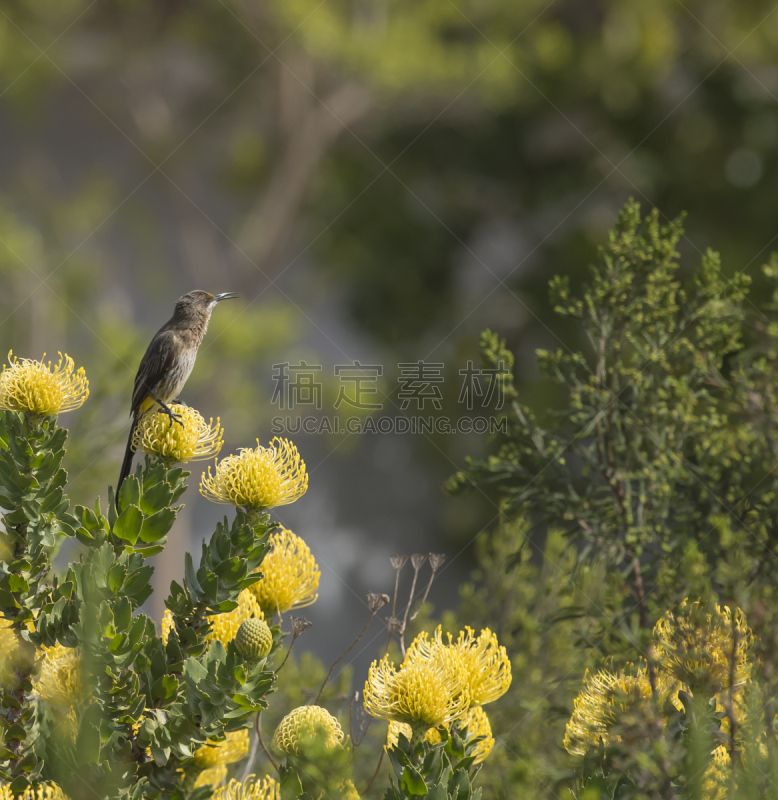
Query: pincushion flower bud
[(258, 479), (290, 576), (253, 639), (224, 626), (192, 440), (303, 723), (34, 387), (213, 754), (252, 788)]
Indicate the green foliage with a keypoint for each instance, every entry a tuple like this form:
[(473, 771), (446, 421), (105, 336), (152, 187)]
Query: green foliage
[(657, 470), (149, 704), (442, 771)]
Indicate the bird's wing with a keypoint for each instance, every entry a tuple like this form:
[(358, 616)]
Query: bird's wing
[(154, 365)]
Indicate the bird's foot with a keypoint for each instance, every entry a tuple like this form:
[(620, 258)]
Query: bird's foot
[(163, 409)]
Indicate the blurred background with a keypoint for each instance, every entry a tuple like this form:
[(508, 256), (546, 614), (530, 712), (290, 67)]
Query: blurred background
[(380, 180)]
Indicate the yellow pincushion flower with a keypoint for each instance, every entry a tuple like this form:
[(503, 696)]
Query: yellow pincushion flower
[(214, 754), (290, 576), (485, 661), (34, 387), (694, 645), (306, 722), (49, 791), (212, 776), (223, 626), (59, 681), (424, 692), (193, 440), (252, 788), (262, 478), (604, 697)]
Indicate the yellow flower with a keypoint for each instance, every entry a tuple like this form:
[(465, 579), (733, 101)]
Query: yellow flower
[(193, 440), (694, 645), (212, 776), (290, 576), (486, 663), (306, 722), (36, 388), (49, 791), (59, 681), (213, 754), (604, 697), (262, 478), (424, 692), (251, 789), (223, 626)]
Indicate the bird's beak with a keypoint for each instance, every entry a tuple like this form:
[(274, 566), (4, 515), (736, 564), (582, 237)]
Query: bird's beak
[(224, 296)]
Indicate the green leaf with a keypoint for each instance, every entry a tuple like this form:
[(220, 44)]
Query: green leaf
[(128, 525), (412, 783), (129, 494), (156, 498), (88, 743), (157, 525)]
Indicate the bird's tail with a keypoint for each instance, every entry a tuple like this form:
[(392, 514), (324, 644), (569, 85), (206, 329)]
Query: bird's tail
[(127, 463)]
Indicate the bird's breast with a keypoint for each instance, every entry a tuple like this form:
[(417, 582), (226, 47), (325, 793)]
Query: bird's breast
[(174, 381)]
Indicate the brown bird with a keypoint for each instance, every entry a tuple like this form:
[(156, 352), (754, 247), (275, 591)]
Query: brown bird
[(168, 361)]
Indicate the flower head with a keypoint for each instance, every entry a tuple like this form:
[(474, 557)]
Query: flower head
[(290, 576), (233, 748), (695, 645), (262, 478), (604, 697), (252, 788), (486, 663), (47, 791), (36, 388), (306, 722), (59, 681), (424, 692), (193, 440)]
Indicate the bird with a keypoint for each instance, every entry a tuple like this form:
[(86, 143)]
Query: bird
[(168, 362)]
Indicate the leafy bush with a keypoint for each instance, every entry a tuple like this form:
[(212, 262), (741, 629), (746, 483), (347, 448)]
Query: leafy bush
[(638, 523), (96, 701)]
